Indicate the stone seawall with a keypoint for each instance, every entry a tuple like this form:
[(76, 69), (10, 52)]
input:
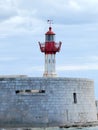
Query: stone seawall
[(97, 108), (38, 102)]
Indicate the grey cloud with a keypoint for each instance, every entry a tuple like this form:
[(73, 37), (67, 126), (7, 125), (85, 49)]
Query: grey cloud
[(5, 15), (64, 12), (7, 10)]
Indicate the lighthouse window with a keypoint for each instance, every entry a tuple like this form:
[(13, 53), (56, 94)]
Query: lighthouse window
[(49, 37), (75, 97), (24, 92)]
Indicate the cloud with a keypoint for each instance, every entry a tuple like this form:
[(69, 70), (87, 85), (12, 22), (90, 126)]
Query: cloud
[(21, 16), (18, 25), (69, 11), (85, 63), (61, 68), (77, 67), (7, 10), (75, 20), (7, 59)]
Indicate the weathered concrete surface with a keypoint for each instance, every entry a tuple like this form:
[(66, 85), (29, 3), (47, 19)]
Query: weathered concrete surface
[(38, 102), (97, 108)]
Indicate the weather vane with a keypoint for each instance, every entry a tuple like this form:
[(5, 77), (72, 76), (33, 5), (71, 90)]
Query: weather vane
[(50, 22)]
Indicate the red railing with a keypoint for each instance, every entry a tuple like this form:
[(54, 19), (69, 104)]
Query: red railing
[(50, 47)]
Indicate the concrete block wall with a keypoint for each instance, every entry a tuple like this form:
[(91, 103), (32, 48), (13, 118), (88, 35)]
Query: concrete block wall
[(97, 108), (37, 102)]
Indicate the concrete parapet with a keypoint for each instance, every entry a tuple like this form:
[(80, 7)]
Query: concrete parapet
[(43, 102)]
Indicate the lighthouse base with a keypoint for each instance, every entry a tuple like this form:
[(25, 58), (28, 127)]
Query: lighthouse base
[(49, 75)]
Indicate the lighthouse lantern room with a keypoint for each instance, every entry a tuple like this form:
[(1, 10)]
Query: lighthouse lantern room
[(50, 47)]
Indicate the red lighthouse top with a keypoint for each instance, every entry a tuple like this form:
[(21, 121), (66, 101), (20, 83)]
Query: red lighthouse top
[(50, 46), (50, 32)]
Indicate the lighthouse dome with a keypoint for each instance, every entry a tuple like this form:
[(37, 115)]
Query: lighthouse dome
[(50, 32)]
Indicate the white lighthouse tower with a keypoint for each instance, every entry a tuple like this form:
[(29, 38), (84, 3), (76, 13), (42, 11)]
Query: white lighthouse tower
[(50, 47)]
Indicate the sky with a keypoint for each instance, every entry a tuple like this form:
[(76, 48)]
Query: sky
[(23, 23)]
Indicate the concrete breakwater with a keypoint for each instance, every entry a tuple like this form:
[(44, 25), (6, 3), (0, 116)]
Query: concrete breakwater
[(45, 102), (55, 128)]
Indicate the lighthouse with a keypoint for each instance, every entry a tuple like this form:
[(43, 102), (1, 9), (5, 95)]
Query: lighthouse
[(49, 48)]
